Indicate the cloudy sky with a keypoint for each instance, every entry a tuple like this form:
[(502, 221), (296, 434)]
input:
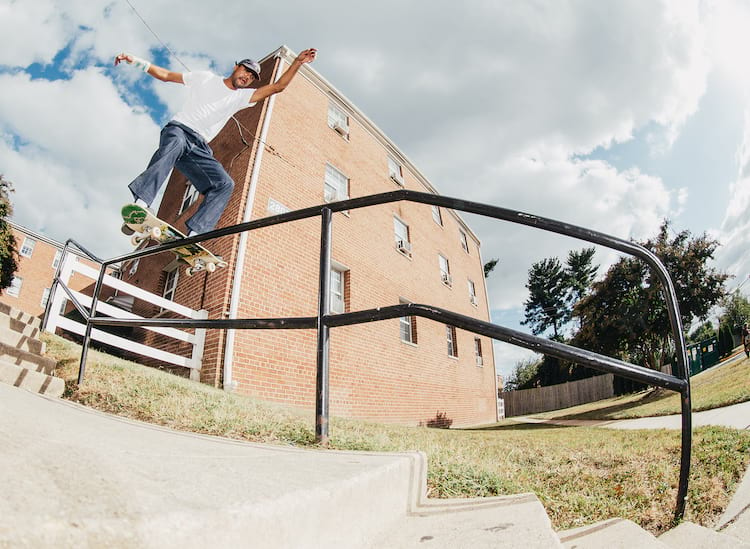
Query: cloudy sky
[(607, 114)]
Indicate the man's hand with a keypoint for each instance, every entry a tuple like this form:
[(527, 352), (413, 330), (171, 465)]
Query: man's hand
[(306, 56), (123, 57)]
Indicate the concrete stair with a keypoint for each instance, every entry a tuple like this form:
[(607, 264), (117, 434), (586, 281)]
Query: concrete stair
[(22, 363)]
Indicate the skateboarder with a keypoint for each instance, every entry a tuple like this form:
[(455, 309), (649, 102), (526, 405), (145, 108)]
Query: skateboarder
[(183, 144)]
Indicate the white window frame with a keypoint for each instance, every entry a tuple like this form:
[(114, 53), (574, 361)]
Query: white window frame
[(451, 337), (407, 325), (14, 290), (437, 217), (337, 303), (56, 260), (464, 240), (478, 356), (401, 234), (170, 284), (189, 198), (134, 266), (395, 171), (45, 297), (27, 249), (338, 120), (472, 292), (335, 185), (445, 270)]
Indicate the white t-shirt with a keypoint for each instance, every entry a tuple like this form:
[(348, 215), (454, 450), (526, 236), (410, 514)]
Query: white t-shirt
[(210, 103)]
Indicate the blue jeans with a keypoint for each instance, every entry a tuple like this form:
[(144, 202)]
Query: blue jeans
[(182, 148)]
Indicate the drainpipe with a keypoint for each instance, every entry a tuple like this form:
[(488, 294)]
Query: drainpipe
[(229, 384)]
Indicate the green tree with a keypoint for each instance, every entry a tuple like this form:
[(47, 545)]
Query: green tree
[(490, 266), (702, 332), (581, 272), (736, 310), (546, 306), (8, 246), (524, 374), (626, 316)]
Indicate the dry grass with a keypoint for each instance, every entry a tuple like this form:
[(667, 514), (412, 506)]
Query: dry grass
[(580, 474)]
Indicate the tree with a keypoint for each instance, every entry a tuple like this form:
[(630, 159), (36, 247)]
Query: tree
[(8, 246), (546, 306), (524, 374), (736, 310), (626, 315), (701, 333), (489, 267), (554, 290)]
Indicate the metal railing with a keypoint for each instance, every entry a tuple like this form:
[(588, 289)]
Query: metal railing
[(324, 321)]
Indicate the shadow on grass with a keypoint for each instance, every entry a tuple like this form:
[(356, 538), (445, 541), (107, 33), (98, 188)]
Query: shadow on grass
[(516, 427), (607, 412)]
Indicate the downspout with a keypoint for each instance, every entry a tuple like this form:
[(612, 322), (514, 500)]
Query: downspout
[(228, 383)]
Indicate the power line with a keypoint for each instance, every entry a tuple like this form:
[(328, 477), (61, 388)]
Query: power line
[(173, 54)]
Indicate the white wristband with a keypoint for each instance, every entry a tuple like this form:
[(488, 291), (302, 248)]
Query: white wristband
[(141, 63)]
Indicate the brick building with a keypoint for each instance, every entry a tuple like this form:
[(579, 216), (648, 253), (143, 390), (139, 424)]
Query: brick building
[(301, 148), (37, 264)]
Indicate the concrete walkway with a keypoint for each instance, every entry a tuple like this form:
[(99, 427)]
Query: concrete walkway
[(736, 416)]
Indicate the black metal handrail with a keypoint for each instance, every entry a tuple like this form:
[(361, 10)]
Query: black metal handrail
[(324, 321)]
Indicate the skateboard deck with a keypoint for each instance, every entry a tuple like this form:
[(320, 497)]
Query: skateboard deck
[(147, 226)]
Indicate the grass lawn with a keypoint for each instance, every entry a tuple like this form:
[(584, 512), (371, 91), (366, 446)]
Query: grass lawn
[(581, 475), (712, 388)]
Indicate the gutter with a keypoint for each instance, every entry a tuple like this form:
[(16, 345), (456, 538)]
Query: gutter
[(228, 383)]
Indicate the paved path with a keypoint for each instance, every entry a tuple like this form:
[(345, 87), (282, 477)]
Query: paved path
[(736, 416)]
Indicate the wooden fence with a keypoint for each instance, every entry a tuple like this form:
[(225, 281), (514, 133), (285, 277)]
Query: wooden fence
[(555, 397)]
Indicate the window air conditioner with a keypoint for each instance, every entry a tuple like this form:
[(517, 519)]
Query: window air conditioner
[(447, 280), (397, 179), (473, 300), (343, 131)]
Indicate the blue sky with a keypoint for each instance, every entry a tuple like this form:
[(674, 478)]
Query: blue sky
[(611, 115)]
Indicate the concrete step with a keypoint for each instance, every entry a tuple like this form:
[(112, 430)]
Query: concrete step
[(518, 521), (19, 335), (36, 382), (25, 359), (689, 534), (122, 483), (612, 534), (16, 314)]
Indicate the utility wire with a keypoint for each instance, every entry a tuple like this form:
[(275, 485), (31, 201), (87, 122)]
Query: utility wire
[(173, 54)]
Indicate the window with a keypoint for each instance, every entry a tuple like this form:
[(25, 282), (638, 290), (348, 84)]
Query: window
[(472, 293), (408, 327), (28, 247), (478, 351), (395, 172), (134, 266), (170, 284), (45, 297), (15, 287), (450, 334), (436, 216), (336, 185), (56, 261), (191, 195), (464, 241), (401, 232), (338, 279), (445, 272), (337, 120)]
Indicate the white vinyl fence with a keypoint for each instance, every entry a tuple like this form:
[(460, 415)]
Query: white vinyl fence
[(55, 318)]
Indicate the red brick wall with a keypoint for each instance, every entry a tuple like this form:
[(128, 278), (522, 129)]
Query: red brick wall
[(374, 375), (38, 273)]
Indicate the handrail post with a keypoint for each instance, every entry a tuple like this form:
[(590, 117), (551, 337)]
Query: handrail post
[(321, 386), (92, 313)]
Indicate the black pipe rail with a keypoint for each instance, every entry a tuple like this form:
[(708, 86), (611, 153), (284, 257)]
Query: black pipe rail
[(324, 321)]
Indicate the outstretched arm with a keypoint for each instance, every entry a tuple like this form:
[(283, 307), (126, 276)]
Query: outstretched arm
[(160, 73), (306, 56)]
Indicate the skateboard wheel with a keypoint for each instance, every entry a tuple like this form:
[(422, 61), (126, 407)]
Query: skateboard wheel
[(136, 239), (155, 233), (210, 267), (189, 271)]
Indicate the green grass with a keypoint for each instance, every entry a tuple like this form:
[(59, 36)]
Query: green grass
[(712, 388), (581, 475)]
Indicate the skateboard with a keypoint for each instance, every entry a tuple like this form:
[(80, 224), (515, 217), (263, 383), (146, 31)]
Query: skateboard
[(147, 226)]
